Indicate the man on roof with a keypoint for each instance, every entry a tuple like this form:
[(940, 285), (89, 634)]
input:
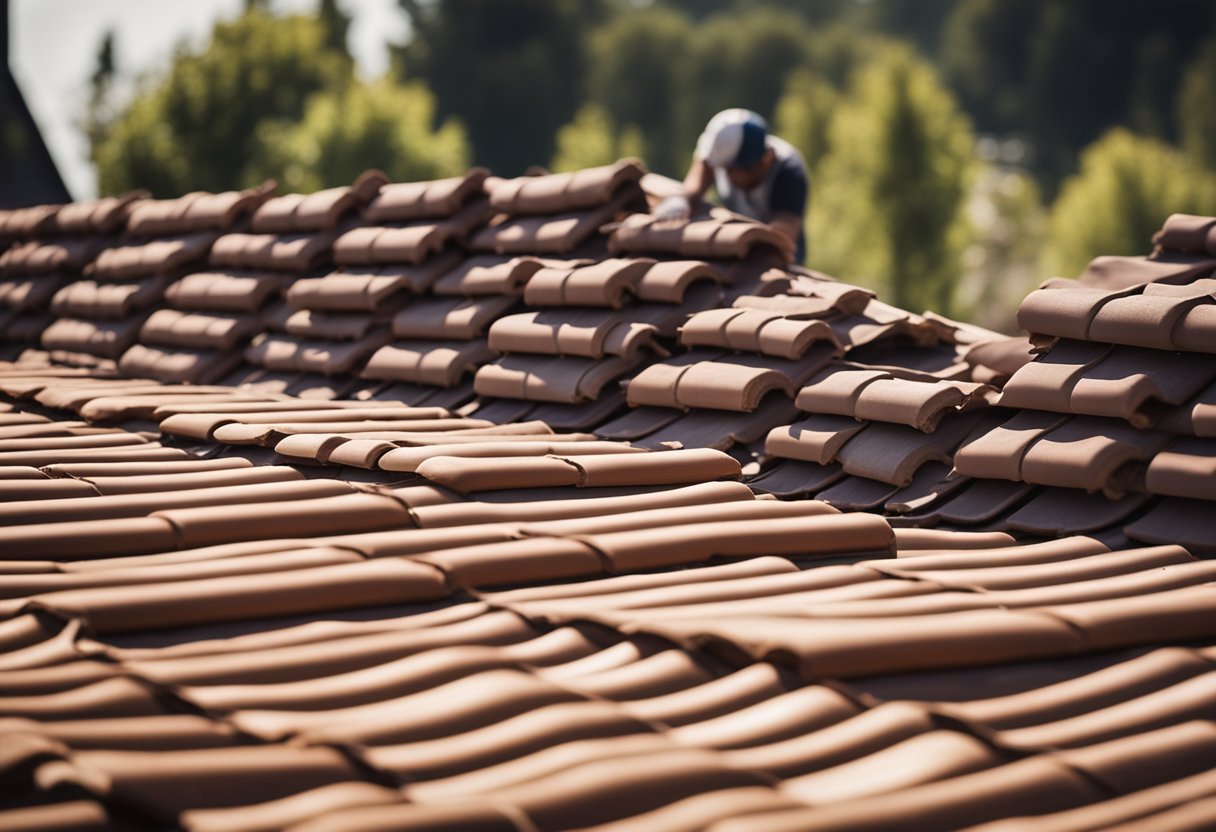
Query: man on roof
[(755, 174)]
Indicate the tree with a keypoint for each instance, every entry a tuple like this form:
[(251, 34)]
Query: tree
[(592, 140), (637, 60), (804, 114), (513, 71), (346, 130), (738, 60), (101, 82), (1196, 113), (337, 25), (1063, 72), (1126, 188), (196, 128), (891, 192)]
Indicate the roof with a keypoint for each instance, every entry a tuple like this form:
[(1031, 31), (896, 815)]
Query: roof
[(495, 504)]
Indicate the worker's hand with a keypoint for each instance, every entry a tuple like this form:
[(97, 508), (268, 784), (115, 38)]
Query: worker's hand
[(673, 208)]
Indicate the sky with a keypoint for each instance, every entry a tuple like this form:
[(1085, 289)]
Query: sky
[(54, 46)]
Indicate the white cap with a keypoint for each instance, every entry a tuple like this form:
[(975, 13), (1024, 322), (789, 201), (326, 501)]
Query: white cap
[(732, 137)]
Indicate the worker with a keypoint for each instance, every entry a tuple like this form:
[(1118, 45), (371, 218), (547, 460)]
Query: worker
[(755, 174)]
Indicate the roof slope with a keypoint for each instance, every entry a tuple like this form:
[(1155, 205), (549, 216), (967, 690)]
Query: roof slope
[(485, 504)]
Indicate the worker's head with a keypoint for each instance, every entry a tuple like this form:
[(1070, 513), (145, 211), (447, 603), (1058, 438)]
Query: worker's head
[(736, 140)]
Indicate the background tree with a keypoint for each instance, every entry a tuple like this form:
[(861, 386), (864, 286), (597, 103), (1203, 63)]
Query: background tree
[(804, 115), (513, 72), (196, 128), (738, 60), (1197, 107), (891, 192), (346, 130), (1125, 189), (592, 139), (635, 76)]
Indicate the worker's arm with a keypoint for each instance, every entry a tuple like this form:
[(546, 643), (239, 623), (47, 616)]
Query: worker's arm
[(696, 183), (788, 225)]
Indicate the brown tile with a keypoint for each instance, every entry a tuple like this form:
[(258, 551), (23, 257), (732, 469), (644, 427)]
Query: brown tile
[(286, 354), (560, 233), (817, 439), (642, 234), (599, 284), (487, 275), (193, 212), (457, 514), (161, 256), (438, 363), (586, 333), (1088, 453), (560, 192), (274, 252), (224, 291), (107, 301), (1187, 522), (756, 330), (404, 201), (545, 379), (1069, 511), (998, 454)]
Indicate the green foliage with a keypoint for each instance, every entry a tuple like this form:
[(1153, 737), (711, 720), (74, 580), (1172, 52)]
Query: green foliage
[(891, 191), (1126, 188), (512, 71), (1009, 224), (344, 131), (739, 60), (804, 114), (1197, 107), (1064, 72), (592, 139), (197, 127), (637, 61)]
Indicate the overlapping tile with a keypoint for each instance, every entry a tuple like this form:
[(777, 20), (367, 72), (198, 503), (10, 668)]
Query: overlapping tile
[(235, 608)]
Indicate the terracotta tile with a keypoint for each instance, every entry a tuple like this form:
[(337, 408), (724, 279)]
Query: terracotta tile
[(192, 212), (817, 439), (582, 333), (162, 256), (957, 802), (794, 537), (441, 516), (1087, 452), (643, 234), (303, 212), (1150, 320), (95, 216), (598, 284), (793, 478), (487, 275), (998, 454), (545, 379), (135, 608), (857, 494), (107, 301), (274, 252), (408, 459), (397, 202), (224, 291), (411, 243), (293, 809), (282, 353), (559, 192), (1175, 520), (1186, 469), (1068, 511), (927, 758), (893, 453), (70, 255), (755, 330), (555, 234)]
